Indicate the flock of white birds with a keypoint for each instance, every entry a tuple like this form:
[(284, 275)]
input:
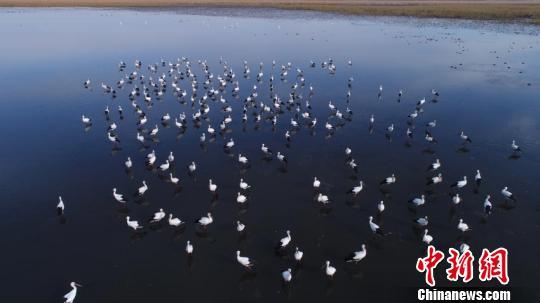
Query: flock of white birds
[(218, 93)]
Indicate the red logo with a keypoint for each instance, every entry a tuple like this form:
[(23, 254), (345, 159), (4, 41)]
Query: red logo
[(490, 265), (494, 265), (460, 265), (428, 263)]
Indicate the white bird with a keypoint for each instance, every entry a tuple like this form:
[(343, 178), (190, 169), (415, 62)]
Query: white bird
[(133, 224), (281, 157), (118, 197), (294, 123), (287, 275), (422, 221), (465, 138), (173, 180), (487, 205), (241, 198), (348, 151), (285, 240), (460, 183), (158, 216), (204, 221), (211, 186), (298, 254), (244, 185), (229, 144), (357, 255), (189, 248), (86, 120), (330, 270), (154, 131), (192, 167), (244, 261), (112, 137), (171, 157), (143, 121), (374, 227), (380, 206), (353, 165), (140, 138), (331, 106), (464, 247), (313, 122), (436, 179), (265, 149), (507, 194), (456, 199), (418, 201), (427, 238), (112, 126), (165, 165), (357, 189), (429, 138), (462, 226), (372, 119), (478, 177), (177, 123), (515, 147), (287, 136), (70, 296), (328, 126), (435, 165), (389, 180), (323, 198), (174, 221), (60, 206), (152, 154), (240, 227), (143, 188), (390, 128), (152, 159), (242, 159), (128, 163), (316, 183)]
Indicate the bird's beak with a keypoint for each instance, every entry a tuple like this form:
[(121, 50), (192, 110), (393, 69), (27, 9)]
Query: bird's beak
[(78, 285)]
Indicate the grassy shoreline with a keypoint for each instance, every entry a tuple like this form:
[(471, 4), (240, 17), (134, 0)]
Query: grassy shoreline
[(529, 13), (521, 11)]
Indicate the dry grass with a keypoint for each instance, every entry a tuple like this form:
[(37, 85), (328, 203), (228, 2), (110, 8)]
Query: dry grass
[(521, 12), (524, 10)]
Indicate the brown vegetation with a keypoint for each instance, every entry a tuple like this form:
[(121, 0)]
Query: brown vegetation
[(524, 10)]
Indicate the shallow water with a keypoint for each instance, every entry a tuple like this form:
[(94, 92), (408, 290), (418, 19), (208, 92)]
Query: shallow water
[(488, 76)]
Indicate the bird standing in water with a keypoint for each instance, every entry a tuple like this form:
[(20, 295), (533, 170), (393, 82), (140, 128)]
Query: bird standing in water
[(70, 296)]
